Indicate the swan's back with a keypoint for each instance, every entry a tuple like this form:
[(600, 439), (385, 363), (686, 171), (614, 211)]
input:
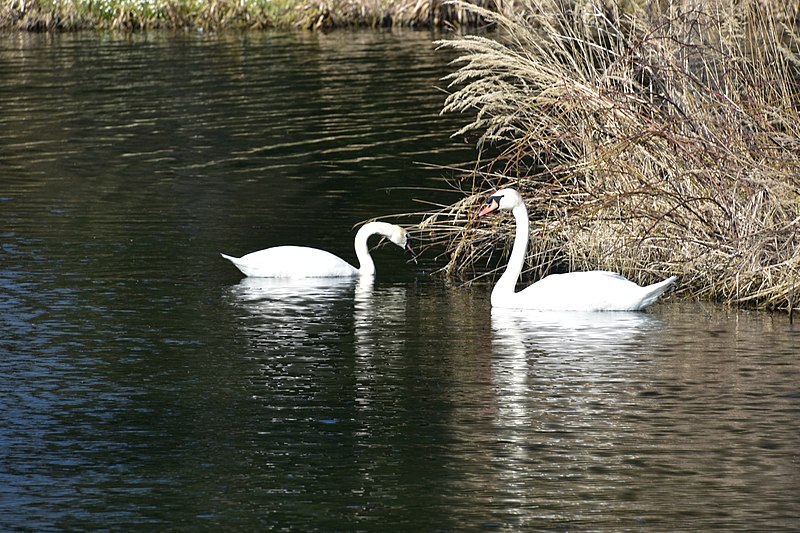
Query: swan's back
[(292, 262), (596, 290)]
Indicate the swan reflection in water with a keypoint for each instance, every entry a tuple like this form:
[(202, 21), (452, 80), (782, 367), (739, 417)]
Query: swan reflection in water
[(547, 350), (568, 333), (282, 311), (379, 344), (560, 378), (286, 315), (300, 329), (274, 297)]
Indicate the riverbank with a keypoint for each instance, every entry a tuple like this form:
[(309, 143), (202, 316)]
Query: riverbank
[(652, 142), (216, 15)]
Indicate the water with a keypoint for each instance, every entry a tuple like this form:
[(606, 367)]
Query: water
[(144, 385)]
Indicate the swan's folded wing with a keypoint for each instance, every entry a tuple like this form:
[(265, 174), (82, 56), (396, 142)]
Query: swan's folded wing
[(293, 262)]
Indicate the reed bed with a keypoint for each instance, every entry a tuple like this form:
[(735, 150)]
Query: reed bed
[(133, 15), (330, 14), (658, 139)]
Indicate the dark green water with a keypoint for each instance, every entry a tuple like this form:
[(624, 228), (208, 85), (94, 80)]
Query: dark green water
[(144, 386)]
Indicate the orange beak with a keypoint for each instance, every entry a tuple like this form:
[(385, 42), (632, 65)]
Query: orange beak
[(493, 205)]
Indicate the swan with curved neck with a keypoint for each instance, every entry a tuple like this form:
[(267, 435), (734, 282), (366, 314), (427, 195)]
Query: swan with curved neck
[(596, 290), (304, 262)]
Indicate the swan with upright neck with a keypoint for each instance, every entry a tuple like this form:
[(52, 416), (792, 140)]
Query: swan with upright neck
[(304, 262), (596, 290)]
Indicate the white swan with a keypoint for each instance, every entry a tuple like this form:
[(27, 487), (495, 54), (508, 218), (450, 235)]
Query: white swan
[(597, 290), (304, 262)]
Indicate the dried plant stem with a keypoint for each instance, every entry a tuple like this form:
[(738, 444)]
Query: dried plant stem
[(131, 15), (651, 141)]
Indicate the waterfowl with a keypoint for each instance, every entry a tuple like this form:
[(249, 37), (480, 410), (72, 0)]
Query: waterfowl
[(597, 290), (304, 262)]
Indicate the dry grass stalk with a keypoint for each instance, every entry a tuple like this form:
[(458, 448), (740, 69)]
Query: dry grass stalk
[(329, 14), (128, 15), (132, 15), (649, 141)]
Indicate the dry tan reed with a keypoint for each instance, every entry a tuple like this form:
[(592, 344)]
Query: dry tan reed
[(329, 14), (131, 15), (651, 141)]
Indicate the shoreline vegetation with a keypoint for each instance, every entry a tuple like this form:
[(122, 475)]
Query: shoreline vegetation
[(648, 138), (222, 15)]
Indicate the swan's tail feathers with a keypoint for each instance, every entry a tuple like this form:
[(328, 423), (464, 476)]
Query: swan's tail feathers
[(234, 260), (655, 290)]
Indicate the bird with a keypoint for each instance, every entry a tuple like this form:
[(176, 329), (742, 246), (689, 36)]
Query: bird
[(596, 290), (305, 262)]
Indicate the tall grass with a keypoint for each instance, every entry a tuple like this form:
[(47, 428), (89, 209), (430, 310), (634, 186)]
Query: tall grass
[(131, 15), (329, 14), (662, 138)]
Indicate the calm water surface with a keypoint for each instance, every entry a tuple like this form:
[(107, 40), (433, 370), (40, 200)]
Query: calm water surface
[(145, 386)]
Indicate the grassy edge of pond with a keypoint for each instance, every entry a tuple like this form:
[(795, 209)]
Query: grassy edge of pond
[(217, 15), (652, 140)]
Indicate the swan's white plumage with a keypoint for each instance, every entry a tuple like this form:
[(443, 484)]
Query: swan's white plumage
[(596, 290), (292, 262), (304, 262)]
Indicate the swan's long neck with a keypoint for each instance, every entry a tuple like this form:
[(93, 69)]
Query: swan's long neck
[(366, 267), (507, 283)]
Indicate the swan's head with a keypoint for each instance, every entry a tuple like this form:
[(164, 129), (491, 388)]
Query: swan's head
[(400, 237), (506, 199), (394, 233)]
